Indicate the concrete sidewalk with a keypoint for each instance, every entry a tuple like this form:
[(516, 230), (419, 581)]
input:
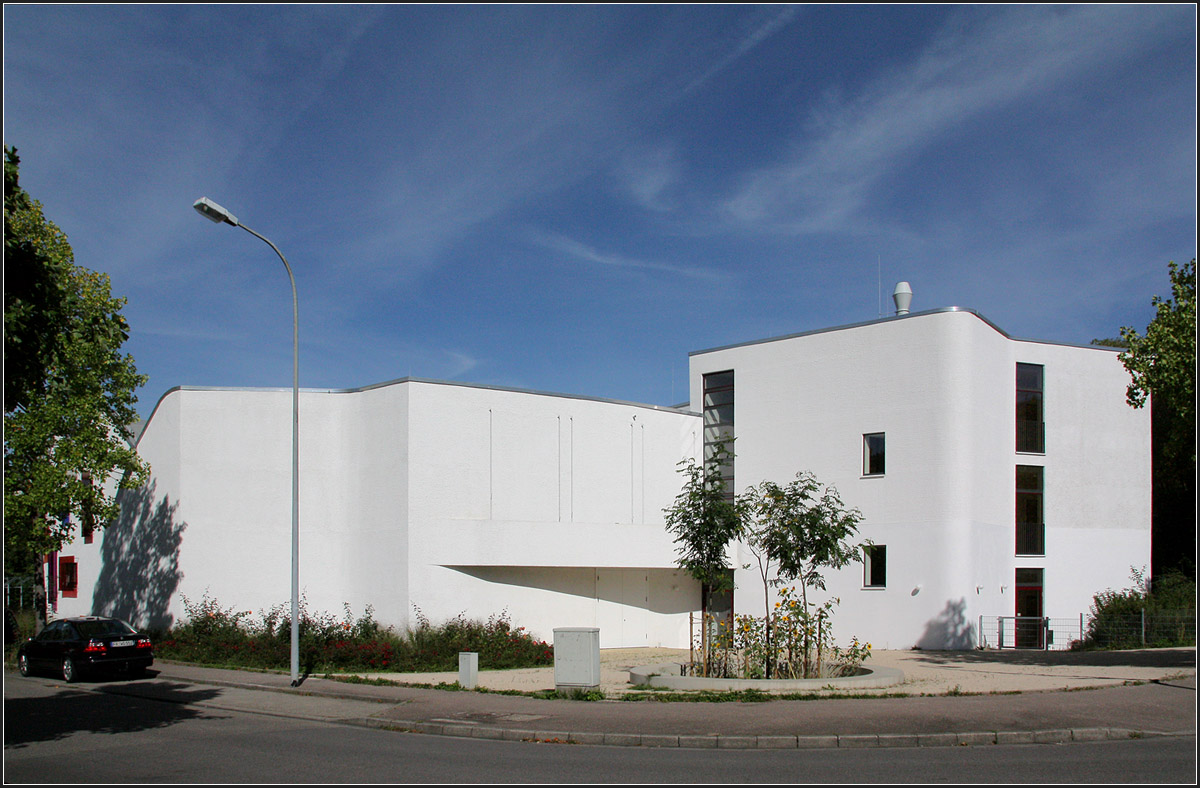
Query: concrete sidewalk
[(1132, 694), (925, 672)]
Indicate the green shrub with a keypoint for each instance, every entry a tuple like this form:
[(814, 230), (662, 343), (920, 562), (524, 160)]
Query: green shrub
[(1144, 615), (215, 635), (26, 626)]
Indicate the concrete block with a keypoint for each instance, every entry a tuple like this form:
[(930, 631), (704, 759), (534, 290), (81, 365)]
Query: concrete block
[(659, 740), (698, 742), (737, 742), (776, 742), (623, 739), (937, 740), (859, 740), (816, 742), (978, 737)]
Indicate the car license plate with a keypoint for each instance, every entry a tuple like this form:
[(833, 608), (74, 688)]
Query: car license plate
[(121, 643)]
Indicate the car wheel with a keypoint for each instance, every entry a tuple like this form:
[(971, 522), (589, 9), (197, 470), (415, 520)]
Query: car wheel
[(69, 671), (23, 664)]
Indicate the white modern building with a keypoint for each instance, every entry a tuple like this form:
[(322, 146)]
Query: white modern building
[(997, 477)]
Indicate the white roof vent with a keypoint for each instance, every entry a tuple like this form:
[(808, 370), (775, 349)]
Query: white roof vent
[(902, 295)]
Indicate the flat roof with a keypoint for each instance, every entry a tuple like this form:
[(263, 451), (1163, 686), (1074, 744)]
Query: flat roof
[(140, 426), (892, 318)]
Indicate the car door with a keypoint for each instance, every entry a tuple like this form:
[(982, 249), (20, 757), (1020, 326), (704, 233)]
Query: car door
[(44, 649)]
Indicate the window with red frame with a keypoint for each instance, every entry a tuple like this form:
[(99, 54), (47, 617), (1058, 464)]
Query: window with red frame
[(68, 577)]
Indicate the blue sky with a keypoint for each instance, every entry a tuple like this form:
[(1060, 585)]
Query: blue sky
[(572, 198)]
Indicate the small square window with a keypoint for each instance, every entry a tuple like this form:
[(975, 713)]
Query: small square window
[(873, 454), (875, 566)]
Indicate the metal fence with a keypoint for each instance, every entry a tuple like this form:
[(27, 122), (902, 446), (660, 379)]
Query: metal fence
[(1146, 628), (1024, 632), (1143, 629), (18, 593)]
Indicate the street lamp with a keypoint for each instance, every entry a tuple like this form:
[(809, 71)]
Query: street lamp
[(213, 212)]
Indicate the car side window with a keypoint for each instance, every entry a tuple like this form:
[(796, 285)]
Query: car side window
[(53, 631)]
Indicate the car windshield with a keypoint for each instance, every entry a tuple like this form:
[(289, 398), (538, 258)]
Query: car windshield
[(97, 629)]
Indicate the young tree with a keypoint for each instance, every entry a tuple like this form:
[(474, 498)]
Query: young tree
[(755, 532), (704, 520), (1162, 365), (69, 391), (804, 529)]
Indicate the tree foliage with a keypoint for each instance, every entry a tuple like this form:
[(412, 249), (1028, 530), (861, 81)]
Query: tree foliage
[(800, 529), (705, 521), (803, 528), (69, 390), (1162, 362), (1162, 368)]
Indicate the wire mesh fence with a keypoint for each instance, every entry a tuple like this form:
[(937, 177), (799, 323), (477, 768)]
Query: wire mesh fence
[(1139, 629), (1144, 629)]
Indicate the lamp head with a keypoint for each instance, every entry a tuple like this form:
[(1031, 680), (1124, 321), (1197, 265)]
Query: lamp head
[(213, 212)]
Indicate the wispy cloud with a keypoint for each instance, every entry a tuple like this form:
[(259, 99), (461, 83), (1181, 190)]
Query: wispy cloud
[(744, 45), (580, 251), (648, 175), (826, 180)]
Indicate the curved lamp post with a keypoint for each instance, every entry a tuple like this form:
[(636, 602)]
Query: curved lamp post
[(213, 212)]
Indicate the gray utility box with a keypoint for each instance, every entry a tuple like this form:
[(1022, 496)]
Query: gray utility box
[(576, 658), (468, 669)]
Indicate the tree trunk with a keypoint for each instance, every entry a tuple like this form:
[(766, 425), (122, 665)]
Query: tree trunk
[(767, 641), (39, 595), (805, 640)]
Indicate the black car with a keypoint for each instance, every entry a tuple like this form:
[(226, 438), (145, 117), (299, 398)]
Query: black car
[(72, 646)]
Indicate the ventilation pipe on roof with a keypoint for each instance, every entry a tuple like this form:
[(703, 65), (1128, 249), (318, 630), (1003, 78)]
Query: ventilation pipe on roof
[(902, 295)]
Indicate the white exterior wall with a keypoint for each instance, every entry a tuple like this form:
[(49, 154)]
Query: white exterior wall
[(942, 387), (446, 499), (414, 496), (549, 504)]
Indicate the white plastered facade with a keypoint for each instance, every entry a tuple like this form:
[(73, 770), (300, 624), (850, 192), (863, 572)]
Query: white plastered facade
[(941, 388), (417, 498), (443, 498)]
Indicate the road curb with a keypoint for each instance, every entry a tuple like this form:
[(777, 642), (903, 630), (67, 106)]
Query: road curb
[(774, 741), (768, 742)]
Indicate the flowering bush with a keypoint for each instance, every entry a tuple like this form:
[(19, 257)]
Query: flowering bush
[(212, 634), (798, 645)]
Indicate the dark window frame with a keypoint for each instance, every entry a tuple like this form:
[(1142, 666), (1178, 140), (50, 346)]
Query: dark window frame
[(874, 453), (717, 406), (1030, 517), (1031, 408), (875, 566)]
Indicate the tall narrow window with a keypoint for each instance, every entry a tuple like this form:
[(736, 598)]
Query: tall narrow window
[(873, 454), (875, 566), (718, 422), (1031, 427), (88, 523), (1031, 527)]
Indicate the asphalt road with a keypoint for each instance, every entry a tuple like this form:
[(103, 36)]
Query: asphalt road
[(89, 733)]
